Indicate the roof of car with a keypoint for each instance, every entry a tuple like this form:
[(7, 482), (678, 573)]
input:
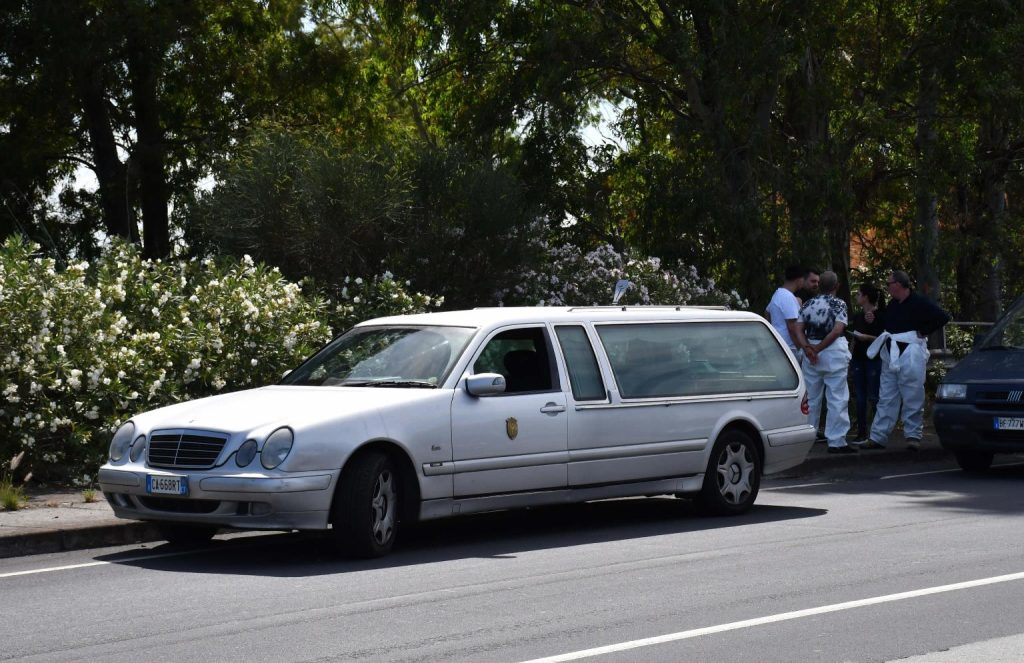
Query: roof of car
[(481, 317)]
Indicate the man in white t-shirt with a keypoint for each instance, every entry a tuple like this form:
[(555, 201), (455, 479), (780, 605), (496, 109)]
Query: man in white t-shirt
[(784, 309)]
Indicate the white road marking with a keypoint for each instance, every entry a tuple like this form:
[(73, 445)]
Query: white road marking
[(918, 474), (954, 469), (801, 485), (52, 569), (771, 619), (85, 565)]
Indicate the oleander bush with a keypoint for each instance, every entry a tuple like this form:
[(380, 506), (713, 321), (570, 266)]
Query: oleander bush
[(570, 277), (86, 346)]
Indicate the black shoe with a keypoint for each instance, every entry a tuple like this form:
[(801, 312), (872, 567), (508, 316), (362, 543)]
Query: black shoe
[(842, 450), (871, 444), (913, 444)]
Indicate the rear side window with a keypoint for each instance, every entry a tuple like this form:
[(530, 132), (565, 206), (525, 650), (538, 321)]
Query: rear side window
[(696, 358), (584, 374)]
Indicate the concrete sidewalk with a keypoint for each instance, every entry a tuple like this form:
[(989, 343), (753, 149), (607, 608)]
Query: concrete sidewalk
[(59, 521)]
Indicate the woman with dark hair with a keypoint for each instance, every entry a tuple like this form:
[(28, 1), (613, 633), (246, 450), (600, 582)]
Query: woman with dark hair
[(865, 327)]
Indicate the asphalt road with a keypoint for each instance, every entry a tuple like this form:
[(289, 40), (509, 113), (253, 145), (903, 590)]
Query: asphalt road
[(859, 566)]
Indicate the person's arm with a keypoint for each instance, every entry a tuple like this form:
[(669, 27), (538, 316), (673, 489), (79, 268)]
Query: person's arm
[(792, 328), (836, 332), (931, 318), (801, 341)]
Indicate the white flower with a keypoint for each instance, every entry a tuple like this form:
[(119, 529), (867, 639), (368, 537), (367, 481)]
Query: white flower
[(355, 300), (254, 362), (359, 280)]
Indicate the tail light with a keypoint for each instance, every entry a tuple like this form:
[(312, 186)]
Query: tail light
[(805, 407)]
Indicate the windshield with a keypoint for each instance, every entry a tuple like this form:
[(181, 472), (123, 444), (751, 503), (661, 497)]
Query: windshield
[(385, 357), (1008, 333)]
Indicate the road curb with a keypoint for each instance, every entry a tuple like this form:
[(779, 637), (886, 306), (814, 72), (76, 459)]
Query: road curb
[(78, 538)]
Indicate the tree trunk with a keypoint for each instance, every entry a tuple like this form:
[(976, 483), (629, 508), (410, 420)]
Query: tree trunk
[(926, 197), (143, 69), (993, 145), (110, 172)]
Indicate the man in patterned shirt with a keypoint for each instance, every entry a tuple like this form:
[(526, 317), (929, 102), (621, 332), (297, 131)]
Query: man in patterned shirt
[(826, 359)]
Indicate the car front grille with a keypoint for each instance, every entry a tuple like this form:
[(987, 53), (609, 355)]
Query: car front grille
[(1009, 399), (185, 449)]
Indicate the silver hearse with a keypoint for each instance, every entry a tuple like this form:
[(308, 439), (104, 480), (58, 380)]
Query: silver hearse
[(434, 415)]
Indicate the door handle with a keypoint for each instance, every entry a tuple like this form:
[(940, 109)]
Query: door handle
[(552, 408)]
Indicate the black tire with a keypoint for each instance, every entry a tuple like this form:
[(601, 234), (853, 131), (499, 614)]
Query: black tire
[(367, 505), (974, 462), (733, 475), (186, 534)]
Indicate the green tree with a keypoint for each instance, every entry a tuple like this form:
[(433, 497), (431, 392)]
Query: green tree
[(149, 95)]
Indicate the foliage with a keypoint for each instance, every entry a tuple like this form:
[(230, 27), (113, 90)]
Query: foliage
[(361, 299), (440, 140), (12, 494), (87, 346), (325, 205), (314, 204), (573, 278)]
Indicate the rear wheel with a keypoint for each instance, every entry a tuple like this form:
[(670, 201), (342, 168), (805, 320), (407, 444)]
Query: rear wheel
[(973, 461), (366, 507), (184, 534), (733, 475)]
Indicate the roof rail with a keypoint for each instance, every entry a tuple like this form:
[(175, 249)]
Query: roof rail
[(644, 307)]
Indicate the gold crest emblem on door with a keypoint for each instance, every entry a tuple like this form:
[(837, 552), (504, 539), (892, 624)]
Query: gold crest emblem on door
[(511, 428)]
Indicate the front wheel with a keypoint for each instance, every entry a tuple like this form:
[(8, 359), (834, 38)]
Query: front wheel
[(366, 505), (733, 475), (973, 461)]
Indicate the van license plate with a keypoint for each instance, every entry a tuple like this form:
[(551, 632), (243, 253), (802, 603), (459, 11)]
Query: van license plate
[(1009, 423), (163, 485)]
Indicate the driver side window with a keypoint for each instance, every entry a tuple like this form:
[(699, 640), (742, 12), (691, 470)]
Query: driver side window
[(522, 357)]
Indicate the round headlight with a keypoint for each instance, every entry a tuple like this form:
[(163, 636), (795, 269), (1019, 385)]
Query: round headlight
[(276, 448), (121, 441), (246, 453), (138, 446)]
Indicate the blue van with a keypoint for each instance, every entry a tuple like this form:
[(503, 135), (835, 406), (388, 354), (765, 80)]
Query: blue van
[(979, 407)]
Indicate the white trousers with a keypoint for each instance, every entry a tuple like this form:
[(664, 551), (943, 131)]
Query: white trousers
[(826, 381), (901, 382)]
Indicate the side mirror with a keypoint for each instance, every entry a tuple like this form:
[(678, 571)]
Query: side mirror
[(485, 384)]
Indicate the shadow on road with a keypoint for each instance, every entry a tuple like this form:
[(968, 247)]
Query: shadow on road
[(1000, 490), (483, 536)]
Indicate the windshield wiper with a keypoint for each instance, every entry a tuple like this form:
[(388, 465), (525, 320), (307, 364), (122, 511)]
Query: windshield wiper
[(390, 382)]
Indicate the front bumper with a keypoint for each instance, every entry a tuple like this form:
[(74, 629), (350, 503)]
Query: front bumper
[(248, 500), (964, 427)]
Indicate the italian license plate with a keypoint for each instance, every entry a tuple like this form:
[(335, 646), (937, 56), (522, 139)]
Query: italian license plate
[(164, 485), (1009, 423)]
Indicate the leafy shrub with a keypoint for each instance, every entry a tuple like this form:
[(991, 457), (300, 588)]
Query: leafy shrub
[(573, 278), (361, 299), (86, 347)]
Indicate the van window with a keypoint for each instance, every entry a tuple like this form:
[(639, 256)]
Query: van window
[(584, 374), (522, 357), (696, 358)]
